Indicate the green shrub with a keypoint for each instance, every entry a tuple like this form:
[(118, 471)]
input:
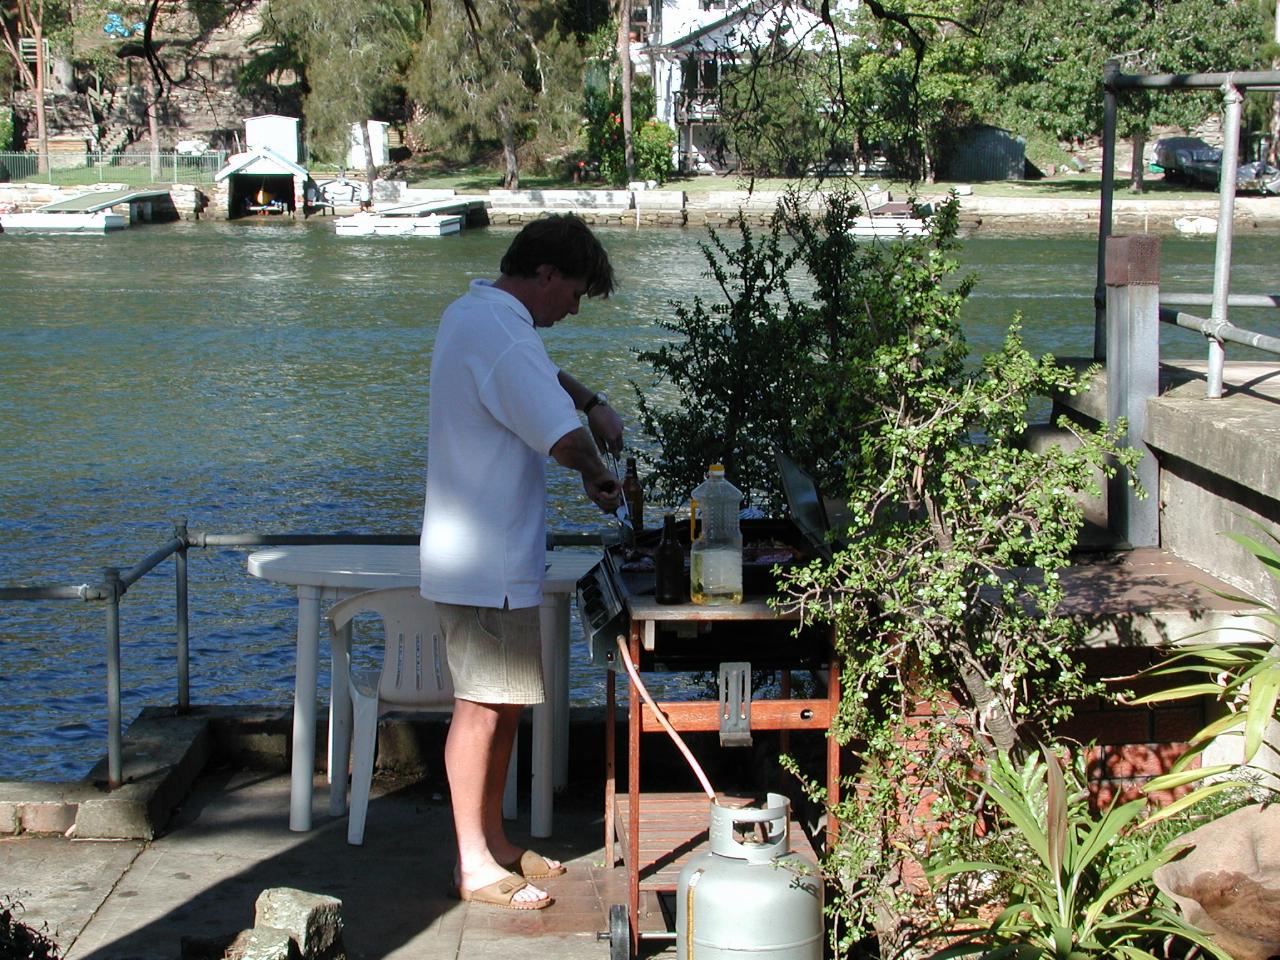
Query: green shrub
[(6, 128), (1082, 886), (605, 144), (652, 141)]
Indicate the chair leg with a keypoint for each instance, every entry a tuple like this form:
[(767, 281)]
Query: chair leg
[(364, 742), (510, 808)]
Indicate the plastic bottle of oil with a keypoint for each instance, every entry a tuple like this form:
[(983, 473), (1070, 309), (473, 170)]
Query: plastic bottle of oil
[(715, 560)]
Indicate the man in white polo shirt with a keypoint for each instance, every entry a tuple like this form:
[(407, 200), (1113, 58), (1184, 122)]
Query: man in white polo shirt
[(499, 407)]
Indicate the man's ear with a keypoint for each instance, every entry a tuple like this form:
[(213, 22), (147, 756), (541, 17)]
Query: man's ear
[(544, 273)]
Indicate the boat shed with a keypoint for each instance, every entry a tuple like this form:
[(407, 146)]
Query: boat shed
[(261, 182), (983, 152)]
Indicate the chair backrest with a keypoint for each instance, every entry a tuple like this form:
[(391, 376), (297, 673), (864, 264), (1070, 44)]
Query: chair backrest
[(415, 670)]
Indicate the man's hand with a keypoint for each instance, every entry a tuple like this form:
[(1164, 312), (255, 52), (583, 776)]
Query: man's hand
[(606, 428), (604, 490), (577, 451)]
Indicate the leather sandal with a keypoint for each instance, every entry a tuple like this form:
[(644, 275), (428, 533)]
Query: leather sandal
[(534, 866), (502, 893)]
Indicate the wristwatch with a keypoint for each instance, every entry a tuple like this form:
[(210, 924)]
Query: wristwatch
[(597, 398)]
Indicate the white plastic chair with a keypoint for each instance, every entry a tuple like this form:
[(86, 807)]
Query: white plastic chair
[(414, 676)]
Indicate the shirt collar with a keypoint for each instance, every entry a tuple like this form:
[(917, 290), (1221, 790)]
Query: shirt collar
[(485, 290)]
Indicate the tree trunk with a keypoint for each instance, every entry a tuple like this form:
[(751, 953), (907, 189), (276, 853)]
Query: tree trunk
[(42, 127), (153, 129), (370, 168), (624, 68), (507, 133), (1275, 98), (1138, 166)]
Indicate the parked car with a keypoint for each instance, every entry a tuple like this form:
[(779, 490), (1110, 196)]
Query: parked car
[(1175, 155), (1193, 160)]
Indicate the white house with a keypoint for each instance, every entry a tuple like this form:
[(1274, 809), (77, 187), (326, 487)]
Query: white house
[(685, 44)]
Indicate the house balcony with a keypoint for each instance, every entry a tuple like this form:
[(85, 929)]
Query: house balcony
[(702, 107)]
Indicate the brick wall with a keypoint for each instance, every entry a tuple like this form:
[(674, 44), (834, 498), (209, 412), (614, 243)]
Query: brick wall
[(1133, 744)]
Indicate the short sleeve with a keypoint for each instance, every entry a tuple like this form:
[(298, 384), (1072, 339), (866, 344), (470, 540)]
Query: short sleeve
[(523, 393)]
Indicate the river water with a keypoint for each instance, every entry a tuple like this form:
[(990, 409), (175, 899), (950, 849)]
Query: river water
[(271, 377)]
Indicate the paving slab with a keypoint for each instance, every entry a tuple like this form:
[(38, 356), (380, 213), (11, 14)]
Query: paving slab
[(229, 841), (62, 883)]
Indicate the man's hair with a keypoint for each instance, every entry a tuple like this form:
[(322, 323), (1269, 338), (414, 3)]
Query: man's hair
[(565, 242)]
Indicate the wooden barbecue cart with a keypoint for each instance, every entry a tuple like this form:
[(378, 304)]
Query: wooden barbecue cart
[(658, 832)]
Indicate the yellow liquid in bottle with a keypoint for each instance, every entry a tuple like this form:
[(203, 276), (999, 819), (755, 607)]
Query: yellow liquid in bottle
[(715, 576)]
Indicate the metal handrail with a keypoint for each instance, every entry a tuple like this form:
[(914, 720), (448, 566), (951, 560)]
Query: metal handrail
[(1218, 328), (114, 585)]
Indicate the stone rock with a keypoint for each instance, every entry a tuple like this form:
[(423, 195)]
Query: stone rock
[(263, 943), (312, 919), (1228, 885)]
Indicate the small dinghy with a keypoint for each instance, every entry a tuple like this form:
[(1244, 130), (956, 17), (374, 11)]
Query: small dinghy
[(1196, 226)]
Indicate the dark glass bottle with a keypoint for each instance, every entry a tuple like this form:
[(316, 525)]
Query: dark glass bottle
[(669, 564), (633, 494)]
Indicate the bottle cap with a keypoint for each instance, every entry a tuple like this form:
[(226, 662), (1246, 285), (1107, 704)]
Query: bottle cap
[(716, 468)]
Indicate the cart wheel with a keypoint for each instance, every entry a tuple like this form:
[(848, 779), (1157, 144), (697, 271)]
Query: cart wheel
[(619, 933)]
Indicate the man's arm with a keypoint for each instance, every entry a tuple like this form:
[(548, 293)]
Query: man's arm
[(577, 451), (603, 421)]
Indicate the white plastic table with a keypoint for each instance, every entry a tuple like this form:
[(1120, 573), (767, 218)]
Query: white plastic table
[(335, 571)]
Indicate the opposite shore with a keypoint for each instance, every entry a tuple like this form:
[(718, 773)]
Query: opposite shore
[(673, 207)]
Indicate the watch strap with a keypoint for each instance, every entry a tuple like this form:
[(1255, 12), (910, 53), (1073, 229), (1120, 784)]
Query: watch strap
[(596, 398)]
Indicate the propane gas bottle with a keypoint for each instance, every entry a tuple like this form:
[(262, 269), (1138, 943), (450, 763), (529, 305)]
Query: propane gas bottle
[(749, 896)]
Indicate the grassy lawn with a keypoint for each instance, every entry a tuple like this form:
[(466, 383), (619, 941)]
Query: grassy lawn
[(1083, 186), (481, 179)]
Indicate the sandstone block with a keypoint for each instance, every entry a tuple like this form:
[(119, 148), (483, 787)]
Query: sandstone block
[(312, 919), (263, 943)]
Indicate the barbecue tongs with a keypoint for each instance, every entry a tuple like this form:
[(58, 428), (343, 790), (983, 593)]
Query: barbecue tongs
[(623, 516)]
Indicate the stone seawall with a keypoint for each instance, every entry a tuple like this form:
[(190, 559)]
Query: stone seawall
[(719, 208), (188, 200)]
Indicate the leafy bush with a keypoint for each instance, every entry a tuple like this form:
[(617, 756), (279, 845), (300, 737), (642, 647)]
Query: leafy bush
[(850, 356), (738, 369), (652, 142), (1244, 676), (6, 129), (18, 941), (1082, 887), (605, 143)]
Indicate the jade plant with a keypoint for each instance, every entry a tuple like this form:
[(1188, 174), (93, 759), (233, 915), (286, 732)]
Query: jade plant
[(942, 588)]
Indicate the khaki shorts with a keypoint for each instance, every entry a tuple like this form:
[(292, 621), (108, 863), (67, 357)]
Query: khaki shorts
[(495, 656)]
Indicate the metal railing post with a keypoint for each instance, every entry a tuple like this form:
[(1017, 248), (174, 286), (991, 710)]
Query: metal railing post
[(1133, 379), (1226, 222), (1110, 70), (115, 734), (181, 625)]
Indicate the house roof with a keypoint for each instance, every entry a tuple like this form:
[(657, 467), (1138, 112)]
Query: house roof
[(759, 19), (261, 160)]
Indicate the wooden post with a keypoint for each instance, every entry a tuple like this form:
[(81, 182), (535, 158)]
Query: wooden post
[(1133, 378)]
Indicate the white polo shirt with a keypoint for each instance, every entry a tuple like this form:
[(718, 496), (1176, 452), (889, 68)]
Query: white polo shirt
[(496, 410)]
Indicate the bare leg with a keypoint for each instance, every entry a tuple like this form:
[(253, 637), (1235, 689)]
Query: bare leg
[(480, 737), (503, 850)]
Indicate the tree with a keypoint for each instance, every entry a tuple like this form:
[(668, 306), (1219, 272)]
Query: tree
[(1046, 59), (510, 75), (624, 73), (354, 55), (31, 20)]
